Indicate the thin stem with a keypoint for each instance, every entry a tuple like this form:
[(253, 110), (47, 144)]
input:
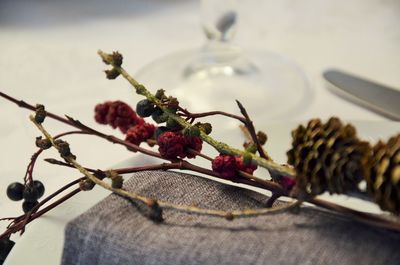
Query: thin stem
[(252, 131), (56, 203), (113, 139), (197, 153), (372, 219), (275, 196), (246, 179), (211, 113), (48, 198), (25, 105), (8, 218), (77, 124), (29, 171)]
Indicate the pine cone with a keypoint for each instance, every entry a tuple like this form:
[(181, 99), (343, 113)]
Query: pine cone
[(384, 180), (328, 157)]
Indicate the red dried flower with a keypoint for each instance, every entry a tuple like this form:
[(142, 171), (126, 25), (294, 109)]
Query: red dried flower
[(246, 168), (121, 116), (171, 145), (195, 143), (117, 114), (140, 133), (225, 165), (228, 165), (101, 111)]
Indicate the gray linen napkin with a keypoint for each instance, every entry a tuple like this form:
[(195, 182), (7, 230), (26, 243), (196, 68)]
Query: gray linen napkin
[(115, 231)]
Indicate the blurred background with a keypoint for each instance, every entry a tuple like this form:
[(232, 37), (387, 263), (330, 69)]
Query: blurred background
[(50, 46)]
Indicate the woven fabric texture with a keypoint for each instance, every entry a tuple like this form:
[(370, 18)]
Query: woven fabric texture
[(115, 231)]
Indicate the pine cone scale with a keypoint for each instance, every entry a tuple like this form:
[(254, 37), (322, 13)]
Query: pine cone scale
[(384, 182), (328, 157)]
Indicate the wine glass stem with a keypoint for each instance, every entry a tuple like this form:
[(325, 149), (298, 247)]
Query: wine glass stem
[(219, 19)]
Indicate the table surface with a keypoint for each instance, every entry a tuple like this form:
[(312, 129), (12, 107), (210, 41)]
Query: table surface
[(48, 55)]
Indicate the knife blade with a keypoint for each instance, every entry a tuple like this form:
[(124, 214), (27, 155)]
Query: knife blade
[(381, 99)]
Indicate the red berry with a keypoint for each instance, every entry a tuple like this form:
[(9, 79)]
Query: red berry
[(121, 116), (117, 114), (140, 133), (195, 143), (101, 111), (246, 168), (225, 165), (171, 145)]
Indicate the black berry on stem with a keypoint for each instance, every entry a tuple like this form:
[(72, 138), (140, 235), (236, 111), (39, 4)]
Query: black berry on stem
[(38, 185), (15, 191), (30, 193), (28, 205), (145, 108), (159, 116)]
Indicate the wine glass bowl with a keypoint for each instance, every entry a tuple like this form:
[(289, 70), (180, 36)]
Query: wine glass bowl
[(269, 85)]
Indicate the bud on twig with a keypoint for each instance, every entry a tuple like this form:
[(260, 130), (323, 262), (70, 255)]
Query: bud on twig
[(43, 143), (111, 74), (63, 149), (172, 103), (229, 216), (191, 131), (262, 137), (116, 180), (160, 94), (140, 89), (117, 59), (204, 127), (40, 114), (155, 213), (86, 185)]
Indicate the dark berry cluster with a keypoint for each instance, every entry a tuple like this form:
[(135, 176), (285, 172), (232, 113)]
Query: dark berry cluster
[(228, 165), (173, 144), (29, 193), (117, 114)]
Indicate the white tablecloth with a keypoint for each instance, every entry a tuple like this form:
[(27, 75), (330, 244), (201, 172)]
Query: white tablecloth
[(48, 55)]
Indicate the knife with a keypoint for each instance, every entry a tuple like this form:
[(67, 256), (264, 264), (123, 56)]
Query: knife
[(379, 98)]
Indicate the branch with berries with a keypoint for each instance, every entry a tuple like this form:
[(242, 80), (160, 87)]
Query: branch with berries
[(325, 157)]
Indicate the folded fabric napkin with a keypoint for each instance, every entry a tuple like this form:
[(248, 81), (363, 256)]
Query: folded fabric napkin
[(115, 231)]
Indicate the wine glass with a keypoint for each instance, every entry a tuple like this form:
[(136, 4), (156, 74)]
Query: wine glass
[(269, 85)]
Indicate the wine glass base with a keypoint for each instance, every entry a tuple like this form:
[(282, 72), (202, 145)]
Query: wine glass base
[(270, 86)]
